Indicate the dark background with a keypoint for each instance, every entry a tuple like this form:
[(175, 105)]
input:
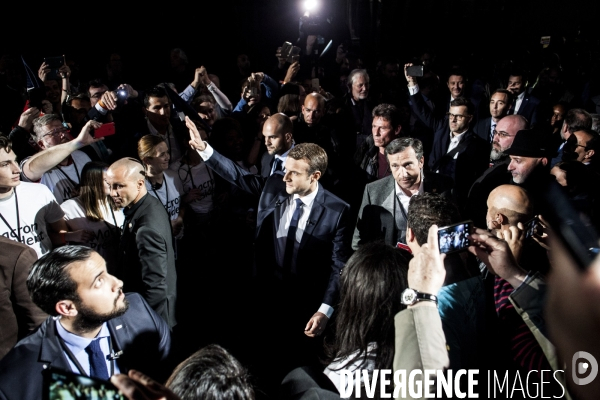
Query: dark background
[(213, 33)]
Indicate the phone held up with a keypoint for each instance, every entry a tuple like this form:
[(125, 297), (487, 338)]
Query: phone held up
[(455, 238), (106, 129), (54, 63), (414, 70), (531, 227)]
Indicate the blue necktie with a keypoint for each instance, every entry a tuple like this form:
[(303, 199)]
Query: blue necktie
[(97, 360), (492, 132), (291, 236), (278, 165)]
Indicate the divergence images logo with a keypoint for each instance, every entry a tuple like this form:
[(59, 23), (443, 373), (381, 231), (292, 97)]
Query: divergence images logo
[(581, 367)]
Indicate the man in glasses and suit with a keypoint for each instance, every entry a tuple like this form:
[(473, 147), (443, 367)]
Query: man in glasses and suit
[(457, 151)]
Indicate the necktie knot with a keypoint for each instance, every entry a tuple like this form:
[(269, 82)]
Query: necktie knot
[(299, 203), (278, 165)]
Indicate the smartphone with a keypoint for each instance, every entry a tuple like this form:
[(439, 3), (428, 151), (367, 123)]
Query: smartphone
[(414, 70), (531, 227), (403, 246), (572, 227), (315, 85), (455, 238), (54, 63), (106, 129), (59, 385)]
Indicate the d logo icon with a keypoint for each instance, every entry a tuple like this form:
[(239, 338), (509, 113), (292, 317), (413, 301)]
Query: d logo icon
[(582, 367)]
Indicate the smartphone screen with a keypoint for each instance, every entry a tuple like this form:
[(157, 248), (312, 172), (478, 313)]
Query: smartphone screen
[(106, 129), (530, 227), (59, 385), (454, 238), (54, 63)]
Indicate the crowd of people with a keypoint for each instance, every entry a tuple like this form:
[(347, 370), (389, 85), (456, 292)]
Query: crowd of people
[(255, 235)]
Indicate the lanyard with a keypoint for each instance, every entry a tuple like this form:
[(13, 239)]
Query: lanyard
[(116, 227), (66, 176), (18, 219), (166, 192)]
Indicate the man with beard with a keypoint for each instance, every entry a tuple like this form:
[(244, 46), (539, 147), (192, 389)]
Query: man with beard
[(497, 174), (94, 329)]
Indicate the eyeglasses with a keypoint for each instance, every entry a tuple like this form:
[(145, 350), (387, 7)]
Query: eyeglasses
[(502, 134), (56, 132), (459, 117)]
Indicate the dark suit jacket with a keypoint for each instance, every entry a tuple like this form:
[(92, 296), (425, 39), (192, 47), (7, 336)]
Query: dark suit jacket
[(147, 258), (377, 214), (323, 250), (529, 108), (468, 165), (482, 128), (142, 335), (481, 189), (266, 163), (19, 315)]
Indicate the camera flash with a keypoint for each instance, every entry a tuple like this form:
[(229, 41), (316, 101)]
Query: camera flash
[(310, 5)]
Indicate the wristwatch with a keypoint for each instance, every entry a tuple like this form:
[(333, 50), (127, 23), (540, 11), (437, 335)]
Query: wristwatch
[(411, 296)]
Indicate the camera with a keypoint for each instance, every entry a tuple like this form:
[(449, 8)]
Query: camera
[(289, 52)]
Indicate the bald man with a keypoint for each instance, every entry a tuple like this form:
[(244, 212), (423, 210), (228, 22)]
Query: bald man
[(507, 206), (279, 139), (146, 255)]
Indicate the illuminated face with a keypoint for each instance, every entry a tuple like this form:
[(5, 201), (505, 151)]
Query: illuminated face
[(360, 87), (516, 85), (124, 189), (160, 160), (383, 132), (558, 114), (276, 142), (406, 168), (297, 179), (499, 105), (456, 85), (521, 167), (100, 295), (312, 111), (209, 110), (459, 119), (10, 173), (159, 111), (583, 154)]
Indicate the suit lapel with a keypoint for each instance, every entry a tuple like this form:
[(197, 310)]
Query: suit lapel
[(278, 205), (315, 216), (51, 351)]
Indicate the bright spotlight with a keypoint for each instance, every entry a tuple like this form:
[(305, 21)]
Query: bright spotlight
[(311, 5)]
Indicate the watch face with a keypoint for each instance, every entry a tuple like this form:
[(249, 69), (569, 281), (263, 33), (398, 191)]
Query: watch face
[(408, 297)]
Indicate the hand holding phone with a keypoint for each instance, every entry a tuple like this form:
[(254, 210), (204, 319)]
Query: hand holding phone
[(454, 238), (106, 129), (414, 70)]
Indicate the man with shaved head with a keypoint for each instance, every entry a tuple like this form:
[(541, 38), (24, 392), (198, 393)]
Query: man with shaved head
[(279, 139), (146, 254), (507, 206)]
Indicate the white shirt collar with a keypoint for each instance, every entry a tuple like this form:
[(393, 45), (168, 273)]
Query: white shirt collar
[(521, 96), (78, 343), (457, 138)]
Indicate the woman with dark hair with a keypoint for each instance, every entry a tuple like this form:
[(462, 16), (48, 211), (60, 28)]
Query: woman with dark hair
[(371, 285), (94, 211)]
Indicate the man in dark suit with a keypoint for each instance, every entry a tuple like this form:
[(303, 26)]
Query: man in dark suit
[(383, 212), (100, 332), (146, 254), (279, 139), (457, 151), (525, 104), (500, 104), (318, 250)]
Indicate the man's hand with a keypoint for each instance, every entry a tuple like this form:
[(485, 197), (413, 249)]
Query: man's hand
[(131, 92), (497, 256), (291, 72), (27, 117), (203, 75), (108, 100), (412, 81), (316, 325), (515, 237), (196, 141), (426, 272), (85, 136), (137, 386)]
